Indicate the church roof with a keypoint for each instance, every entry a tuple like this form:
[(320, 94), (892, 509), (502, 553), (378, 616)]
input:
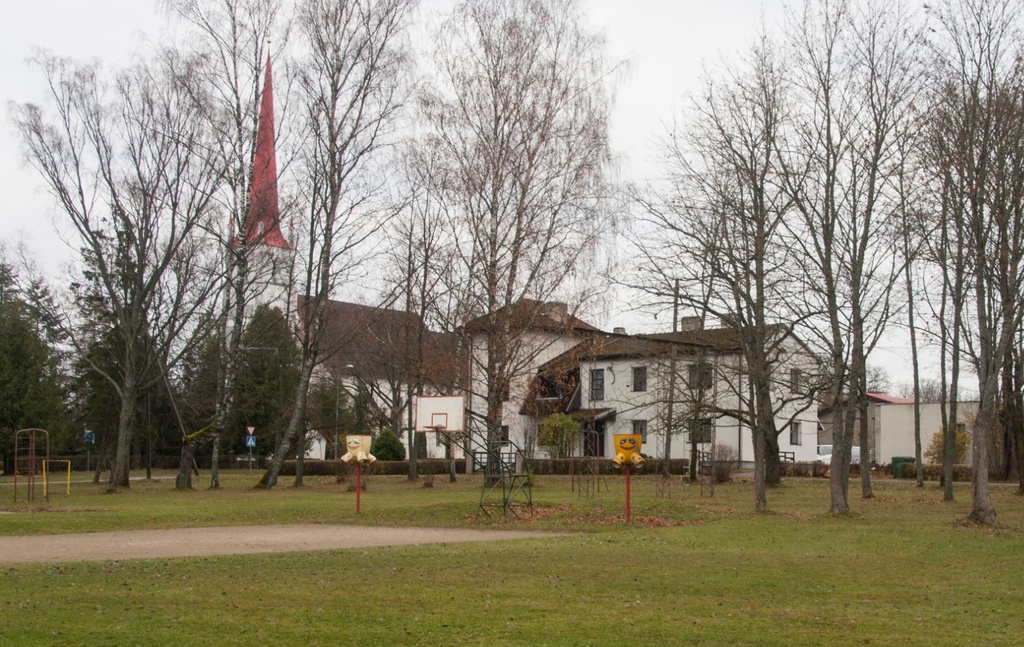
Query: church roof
[(264, 223)]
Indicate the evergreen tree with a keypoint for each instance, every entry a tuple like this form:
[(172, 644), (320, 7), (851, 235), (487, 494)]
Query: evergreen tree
[(31, 389)]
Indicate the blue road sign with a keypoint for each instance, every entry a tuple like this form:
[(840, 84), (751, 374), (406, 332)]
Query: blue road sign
[(90, 438), (250, 441)]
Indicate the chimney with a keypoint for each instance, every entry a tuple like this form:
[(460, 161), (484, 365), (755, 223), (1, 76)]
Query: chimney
[(556, 310), (689, 324), (619, 331)]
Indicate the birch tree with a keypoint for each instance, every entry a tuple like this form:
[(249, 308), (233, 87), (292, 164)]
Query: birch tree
[(518, 116), (351, 87), (232, 36)]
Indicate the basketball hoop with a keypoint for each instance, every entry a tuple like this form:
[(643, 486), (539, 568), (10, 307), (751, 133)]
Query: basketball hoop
[(440, 429)]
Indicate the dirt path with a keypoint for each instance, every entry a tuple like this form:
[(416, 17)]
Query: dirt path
[(231, 540)]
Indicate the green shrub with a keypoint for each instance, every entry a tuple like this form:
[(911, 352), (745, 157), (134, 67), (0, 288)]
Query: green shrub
[(387, 447), (558, 435), (961, 443)]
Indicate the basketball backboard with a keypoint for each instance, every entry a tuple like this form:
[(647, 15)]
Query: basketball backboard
[(445, 413)]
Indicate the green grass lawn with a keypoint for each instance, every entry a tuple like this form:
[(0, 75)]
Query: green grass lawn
[(900, 570)]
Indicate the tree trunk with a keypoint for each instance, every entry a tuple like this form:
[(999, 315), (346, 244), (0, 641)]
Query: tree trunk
[(866, 447), (184, 479), (411, 434), (119, 473), (214, 461), (295, 422), (982, 510), (842, 440), (773, 465), (300, 458), (760, 496)]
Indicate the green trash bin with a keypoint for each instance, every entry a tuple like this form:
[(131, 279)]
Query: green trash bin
[(897, 461)]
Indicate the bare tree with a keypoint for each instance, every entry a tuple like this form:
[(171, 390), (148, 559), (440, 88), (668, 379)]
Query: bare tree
[(518, 117), (855, 87), (232, 36), (421, 255), (130, 163), (980, 146), (351, 86), (720, 228)]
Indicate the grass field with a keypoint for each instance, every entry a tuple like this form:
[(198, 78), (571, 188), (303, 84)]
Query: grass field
[(900, 570)]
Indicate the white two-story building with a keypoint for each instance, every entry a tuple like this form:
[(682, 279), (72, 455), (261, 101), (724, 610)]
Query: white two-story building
[(675, 388)]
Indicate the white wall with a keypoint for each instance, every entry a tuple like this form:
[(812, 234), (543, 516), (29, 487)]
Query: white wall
[(651, 405), (540, 347), (895, 431)]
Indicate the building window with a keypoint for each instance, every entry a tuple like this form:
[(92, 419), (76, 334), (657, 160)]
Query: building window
[(640, 427), (701, 376), (504, 435), (794, 433), (795, 379), (639, 378), (597, 384), (700, 429)]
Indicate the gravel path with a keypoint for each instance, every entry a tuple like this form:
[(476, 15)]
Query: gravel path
[(231, 540)]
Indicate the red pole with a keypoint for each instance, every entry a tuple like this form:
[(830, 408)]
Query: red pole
[(628, 472), (359, 470)]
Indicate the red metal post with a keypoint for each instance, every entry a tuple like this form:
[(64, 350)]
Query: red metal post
[(359, 486), (628, 472)]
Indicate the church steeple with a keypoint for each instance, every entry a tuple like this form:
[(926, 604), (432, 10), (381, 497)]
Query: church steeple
[(264, 224)]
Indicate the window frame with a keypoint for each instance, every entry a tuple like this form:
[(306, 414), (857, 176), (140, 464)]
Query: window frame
[(639, 379), (704, 427), (701, 375), (640, 427), (597, 384)]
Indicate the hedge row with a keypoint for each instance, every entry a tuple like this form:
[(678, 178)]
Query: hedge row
[(933, 472), (539, 466), (331, 467), (563, 466), (169, 461), (813, 470)]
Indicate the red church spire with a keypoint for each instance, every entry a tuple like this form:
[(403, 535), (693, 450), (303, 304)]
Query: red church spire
[(264, 223)]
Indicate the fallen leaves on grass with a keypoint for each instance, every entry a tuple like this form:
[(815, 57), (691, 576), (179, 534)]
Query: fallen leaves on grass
[(650, 522)]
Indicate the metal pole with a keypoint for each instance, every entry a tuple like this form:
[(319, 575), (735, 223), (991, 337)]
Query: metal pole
[(628, 473), (337, 414), (359, 486)]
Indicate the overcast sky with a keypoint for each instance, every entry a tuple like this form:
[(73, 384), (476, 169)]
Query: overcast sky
[(665, 42)]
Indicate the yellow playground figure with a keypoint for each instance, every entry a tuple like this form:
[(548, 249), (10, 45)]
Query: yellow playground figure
[(627, 450), (358, 450)]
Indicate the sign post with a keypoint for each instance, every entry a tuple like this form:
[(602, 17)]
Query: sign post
[(90, 440), (359, 485), (627, 492), (628, 454), (358, 454), (250, 442)]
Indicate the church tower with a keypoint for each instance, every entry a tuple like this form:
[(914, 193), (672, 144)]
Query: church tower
[(271, 261)]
